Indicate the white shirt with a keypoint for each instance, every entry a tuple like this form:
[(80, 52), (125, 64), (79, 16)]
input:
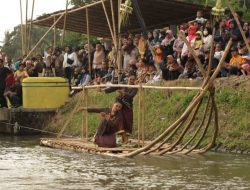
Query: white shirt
[(71, 56)]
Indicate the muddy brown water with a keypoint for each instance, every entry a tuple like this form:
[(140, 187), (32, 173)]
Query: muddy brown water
[(24, 165)]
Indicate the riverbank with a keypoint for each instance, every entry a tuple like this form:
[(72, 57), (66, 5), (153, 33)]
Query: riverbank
[(163, 107)]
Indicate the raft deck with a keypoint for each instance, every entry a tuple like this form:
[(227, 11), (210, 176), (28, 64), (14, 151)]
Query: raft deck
[(83, 145), (86, 146)]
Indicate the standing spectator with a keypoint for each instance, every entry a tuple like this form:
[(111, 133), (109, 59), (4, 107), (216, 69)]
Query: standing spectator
[(167, 44), (99, 56), (130, 54), (39, 64), (3, 75), (49, 65), (68, 63)]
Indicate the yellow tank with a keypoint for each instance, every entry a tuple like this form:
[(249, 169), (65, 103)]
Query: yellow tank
[(44, 92)]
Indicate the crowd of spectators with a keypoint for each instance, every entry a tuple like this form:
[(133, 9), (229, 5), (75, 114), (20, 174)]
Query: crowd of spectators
[(161, 55)]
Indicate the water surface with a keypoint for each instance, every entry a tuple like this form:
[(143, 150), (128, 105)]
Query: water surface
[(24, 165)]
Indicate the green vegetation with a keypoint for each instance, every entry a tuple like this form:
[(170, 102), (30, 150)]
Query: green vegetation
[(164, 107)]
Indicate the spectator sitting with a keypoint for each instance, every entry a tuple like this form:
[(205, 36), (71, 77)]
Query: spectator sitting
[(174, 70), (234, 65), (108, 76), (104, 69), (83, 80), (14, 94), (189, 70), (21, 73), (218, 52)]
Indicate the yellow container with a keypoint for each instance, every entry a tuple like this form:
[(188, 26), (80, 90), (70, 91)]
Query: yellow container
[(44, 92)]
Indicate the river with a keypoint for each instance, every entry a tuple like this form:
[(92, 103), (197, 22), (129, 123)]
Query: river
[(24, 165)]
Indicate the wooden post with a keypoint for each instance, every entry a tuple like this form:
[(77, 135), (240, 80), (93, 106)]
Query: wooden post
[(86, 114), (143, 115), (239, 25), (31, 22), (88, 35), (38, 43), (65, 21), (22, 37), (54, 33), (139, 115), (26, 27)]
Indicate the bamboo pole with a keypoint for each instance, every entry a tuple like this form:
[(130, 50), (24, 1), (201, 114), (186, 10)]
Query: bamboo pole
[(113, 21), (197, 130), (26, 27), (54, 33), (107, 18), (216, 128), (143, 115), (22, 32), (191, 50), (38, 43), (119, 56), (65, 21), (70, 11), (239, 25), (139, 116), (83, 115), (184, 131), (88, 35), (31, 22), (204, 131), (138, 86), (86, 114)]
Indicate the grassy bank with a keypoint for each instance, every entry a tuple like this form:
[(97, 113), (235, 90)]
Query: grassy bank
[(163, 107)]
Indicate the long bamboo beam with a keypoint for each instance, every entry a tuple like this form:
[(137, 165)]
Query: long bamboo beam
[(138, 86), (22, 32), (70, 11), (38, 43)]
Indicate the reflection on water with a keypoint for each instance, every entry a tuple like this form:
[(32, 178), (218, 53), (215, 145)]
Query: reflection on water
[(24, 165)]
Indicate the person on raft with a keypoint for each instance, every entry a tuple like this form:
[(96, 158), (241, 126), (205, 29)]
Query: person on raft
[(126, 95), (111, 123)]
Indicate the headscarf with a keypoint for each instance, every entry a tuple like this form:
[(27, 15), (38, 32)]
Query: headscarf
[(191, 33)]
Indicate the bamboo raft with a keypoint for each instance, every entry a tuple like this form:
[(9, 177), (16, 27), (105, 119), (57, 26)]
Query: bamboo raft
[(85, 146)]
